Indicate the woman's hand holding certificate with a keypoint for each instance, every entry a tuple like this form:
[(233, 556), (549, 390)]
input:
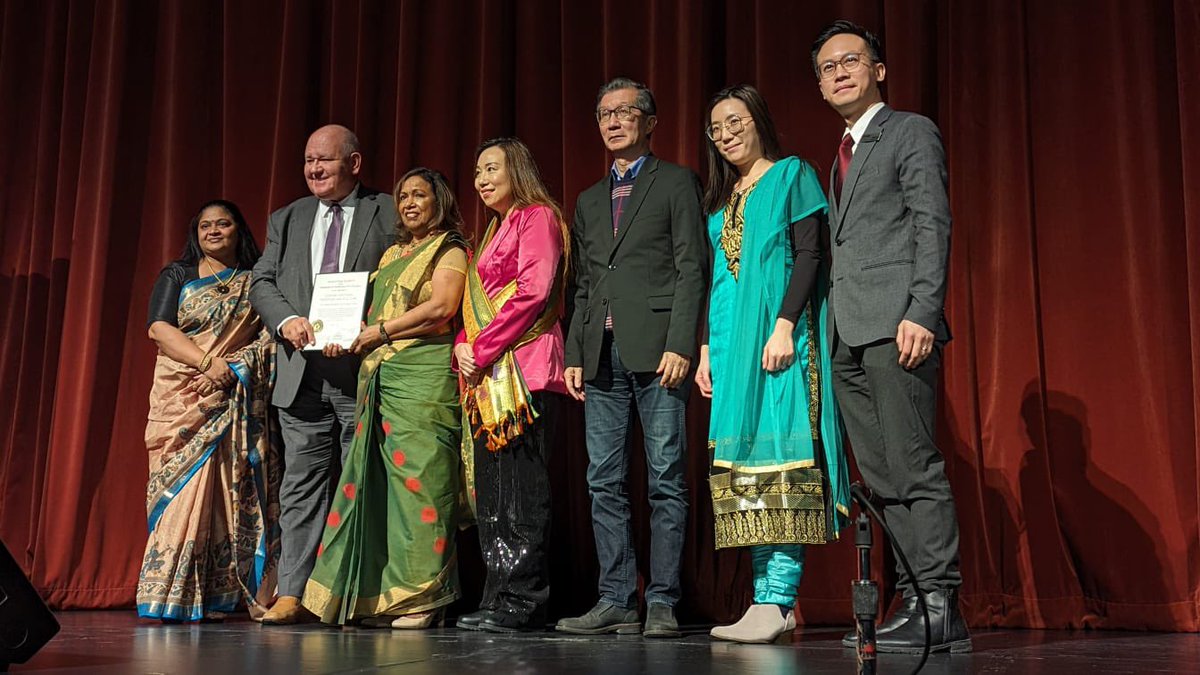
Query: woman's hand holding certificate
[(336, 312)]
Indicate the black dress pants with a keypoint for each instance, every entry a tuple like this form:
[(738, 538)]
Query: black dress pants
[(890, 418)]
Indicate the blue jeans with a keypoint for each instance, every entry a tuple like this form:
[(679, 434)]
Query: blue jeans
[(608, 414)]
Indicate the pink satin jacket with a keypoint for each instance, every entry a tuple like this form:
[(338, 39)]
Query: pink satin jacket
[(527, 247)]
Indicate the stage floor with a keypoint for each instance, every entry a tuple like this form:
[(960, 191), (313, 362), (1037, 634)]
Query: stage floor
[(117, 642)]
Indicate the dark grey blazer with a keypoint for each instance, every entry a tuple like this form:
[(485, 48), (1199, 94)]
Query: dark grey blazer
[(282, 281), (890, 232), (651, 276)]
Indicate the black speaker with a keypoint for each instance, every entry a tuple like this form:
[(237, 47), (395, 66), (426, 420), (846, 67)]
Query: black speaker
[(26, 624)]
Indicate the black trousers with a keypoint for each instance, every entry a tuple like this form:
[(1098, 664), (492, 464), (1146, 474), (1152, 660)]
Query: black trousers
[(890, 418), (512, 502)]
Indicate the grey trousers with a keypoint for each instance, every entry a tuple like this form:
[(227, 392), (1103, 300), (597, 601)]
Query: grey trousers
[(890, 418), (317, 430)]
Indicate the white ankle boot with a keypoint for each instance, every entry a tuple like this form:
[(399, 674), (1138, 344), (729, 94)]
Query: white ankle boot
[(760, 624)]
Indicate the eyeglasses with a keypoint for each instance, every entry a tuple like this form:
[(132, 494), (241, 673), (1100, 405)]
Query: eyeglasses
[(733, 124), (850, 63), (624, 113)]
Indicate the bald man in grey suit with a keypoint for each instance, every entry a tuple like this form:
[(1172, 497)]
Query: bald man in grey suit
[(889, 222), (342, 227)]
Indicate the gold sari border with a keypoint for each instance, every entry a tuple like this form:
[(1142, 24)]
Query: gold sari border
[(770, 526)]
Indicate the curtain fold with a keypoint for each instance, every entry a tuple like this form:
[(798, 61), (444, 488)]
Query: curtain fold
[(1068, 409)]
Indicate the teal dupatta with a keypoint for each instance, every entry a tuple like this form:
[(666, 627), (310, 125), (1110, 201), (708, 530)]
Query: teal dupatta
[(779, 469)]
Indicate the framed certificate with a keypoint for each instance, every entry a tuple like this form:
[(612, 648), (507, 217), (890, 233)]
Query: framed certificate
[(336, 312)]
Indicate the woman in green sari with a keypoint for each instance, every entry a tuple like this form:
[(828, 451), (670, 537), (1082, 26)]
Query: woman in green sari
[(778, 476), (387, 555)]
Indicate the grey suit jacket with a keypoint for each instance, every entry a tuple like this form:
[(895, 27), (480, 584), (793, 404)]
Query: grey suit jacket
[(650, 277), (282, 280), (890, 231)]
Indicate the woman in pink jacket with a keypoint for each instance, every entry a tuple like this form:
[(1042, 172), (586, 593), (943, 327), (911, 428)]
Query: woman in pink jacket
[(510, 356)]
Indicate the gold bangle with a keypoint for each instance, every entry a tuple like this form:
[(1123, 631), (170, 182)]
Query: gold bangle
[(205, 362), (386, 338)]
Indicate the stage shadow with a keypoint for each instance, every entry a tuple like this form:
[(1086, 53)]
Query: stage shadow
[(1113, 539)]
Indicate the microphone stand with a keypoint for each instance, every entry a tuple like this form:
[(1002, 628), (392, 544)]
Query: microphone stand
[(865, 596), (864, 590)]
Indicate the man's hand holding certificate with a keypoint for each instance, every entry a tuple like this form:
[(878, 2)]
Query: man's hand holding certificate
[(337, 308)]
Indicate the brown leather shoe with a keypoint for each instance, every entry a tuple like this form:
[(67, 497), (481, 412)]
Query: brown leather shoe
[(287, 611)]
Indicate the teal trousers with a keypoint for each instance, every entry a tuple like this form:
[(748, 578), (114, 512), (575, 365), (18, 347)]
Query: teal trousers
[(777, 572)]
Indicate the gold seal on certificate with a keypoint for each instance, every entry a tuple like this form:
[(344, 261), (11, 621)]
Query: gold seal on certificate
[(336, 312)]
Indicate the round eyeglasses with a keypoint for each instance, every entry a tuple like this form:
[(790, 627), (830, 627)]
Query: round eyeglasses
[(733, 124), (849, 63)]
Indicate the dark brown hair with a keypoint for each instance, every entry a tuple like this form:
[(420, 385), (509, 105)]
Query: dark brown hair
[(721, 174), (527, 186)]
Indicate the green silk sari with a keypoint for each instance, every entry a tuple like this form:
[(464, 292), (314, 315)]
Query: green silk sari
[(388, 546)]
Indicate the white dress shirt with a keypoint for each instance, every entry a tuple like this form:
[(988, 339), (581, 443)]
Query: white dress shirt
[(316, 246), (321, 230), (860, 127)]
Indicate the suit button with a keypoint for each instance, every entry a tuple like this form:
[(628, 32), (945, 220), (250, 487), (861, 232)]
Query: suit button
[(612, 267), (839, 242), (604, 301)]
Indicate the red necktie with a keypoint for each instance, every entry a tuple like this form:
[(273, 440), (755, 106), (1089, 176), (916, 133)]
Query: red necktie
[(845, 154)]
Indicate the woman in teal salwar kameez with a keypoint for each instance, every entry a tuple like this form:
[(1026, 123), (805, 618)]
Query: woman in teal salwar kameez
[(778, 477)]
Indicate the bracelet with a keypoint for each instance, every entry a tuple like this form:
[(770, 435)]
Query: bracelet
[(386, 338), (205, 362)]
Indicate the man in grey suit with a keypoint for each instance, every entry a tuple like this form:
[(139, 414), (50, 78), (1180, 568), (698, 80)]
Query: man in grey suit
[(638, 258), (889, 218), (342, 227)]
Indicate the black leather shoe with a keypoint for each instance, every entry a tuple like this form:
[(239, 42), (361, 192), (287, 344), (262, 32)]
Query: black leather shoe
[(471, 621), (503, 621), (908, 609), (948, 631)]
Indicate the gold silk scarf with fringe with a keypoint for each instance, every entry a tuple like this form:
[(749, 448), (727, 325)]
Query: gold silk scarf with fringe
[(499, 404)]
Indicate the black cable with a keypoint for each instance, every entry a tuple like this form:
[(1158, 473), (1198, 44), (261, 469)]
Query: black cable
[(863, 496)]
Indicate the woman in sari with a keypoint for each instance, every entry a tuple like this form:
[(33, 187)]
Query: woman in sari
[(778, 476), (510, 355), (213, 494), (387, 554)]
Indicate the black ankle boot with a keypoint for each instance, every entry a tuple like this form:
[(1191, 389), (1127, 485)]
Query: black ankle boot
[(471, 621), (948, 631)]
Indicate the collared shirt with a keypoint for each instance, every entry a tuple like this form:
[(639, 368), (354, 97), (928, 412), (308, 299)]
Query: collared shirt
[(860, 127), (632, 171), (622, 187), (316, 246), (321, 226)]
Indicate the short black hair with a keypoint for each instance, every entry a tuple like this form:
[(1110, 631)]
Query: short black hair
[(842, 27)]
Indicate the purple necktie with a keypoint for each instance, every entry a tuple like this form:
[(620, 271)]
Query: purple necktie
[(333, 242)]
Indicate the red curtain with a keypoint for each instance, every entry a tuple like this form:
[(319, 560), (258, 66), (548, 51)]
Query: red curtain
[(1069, 414)]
